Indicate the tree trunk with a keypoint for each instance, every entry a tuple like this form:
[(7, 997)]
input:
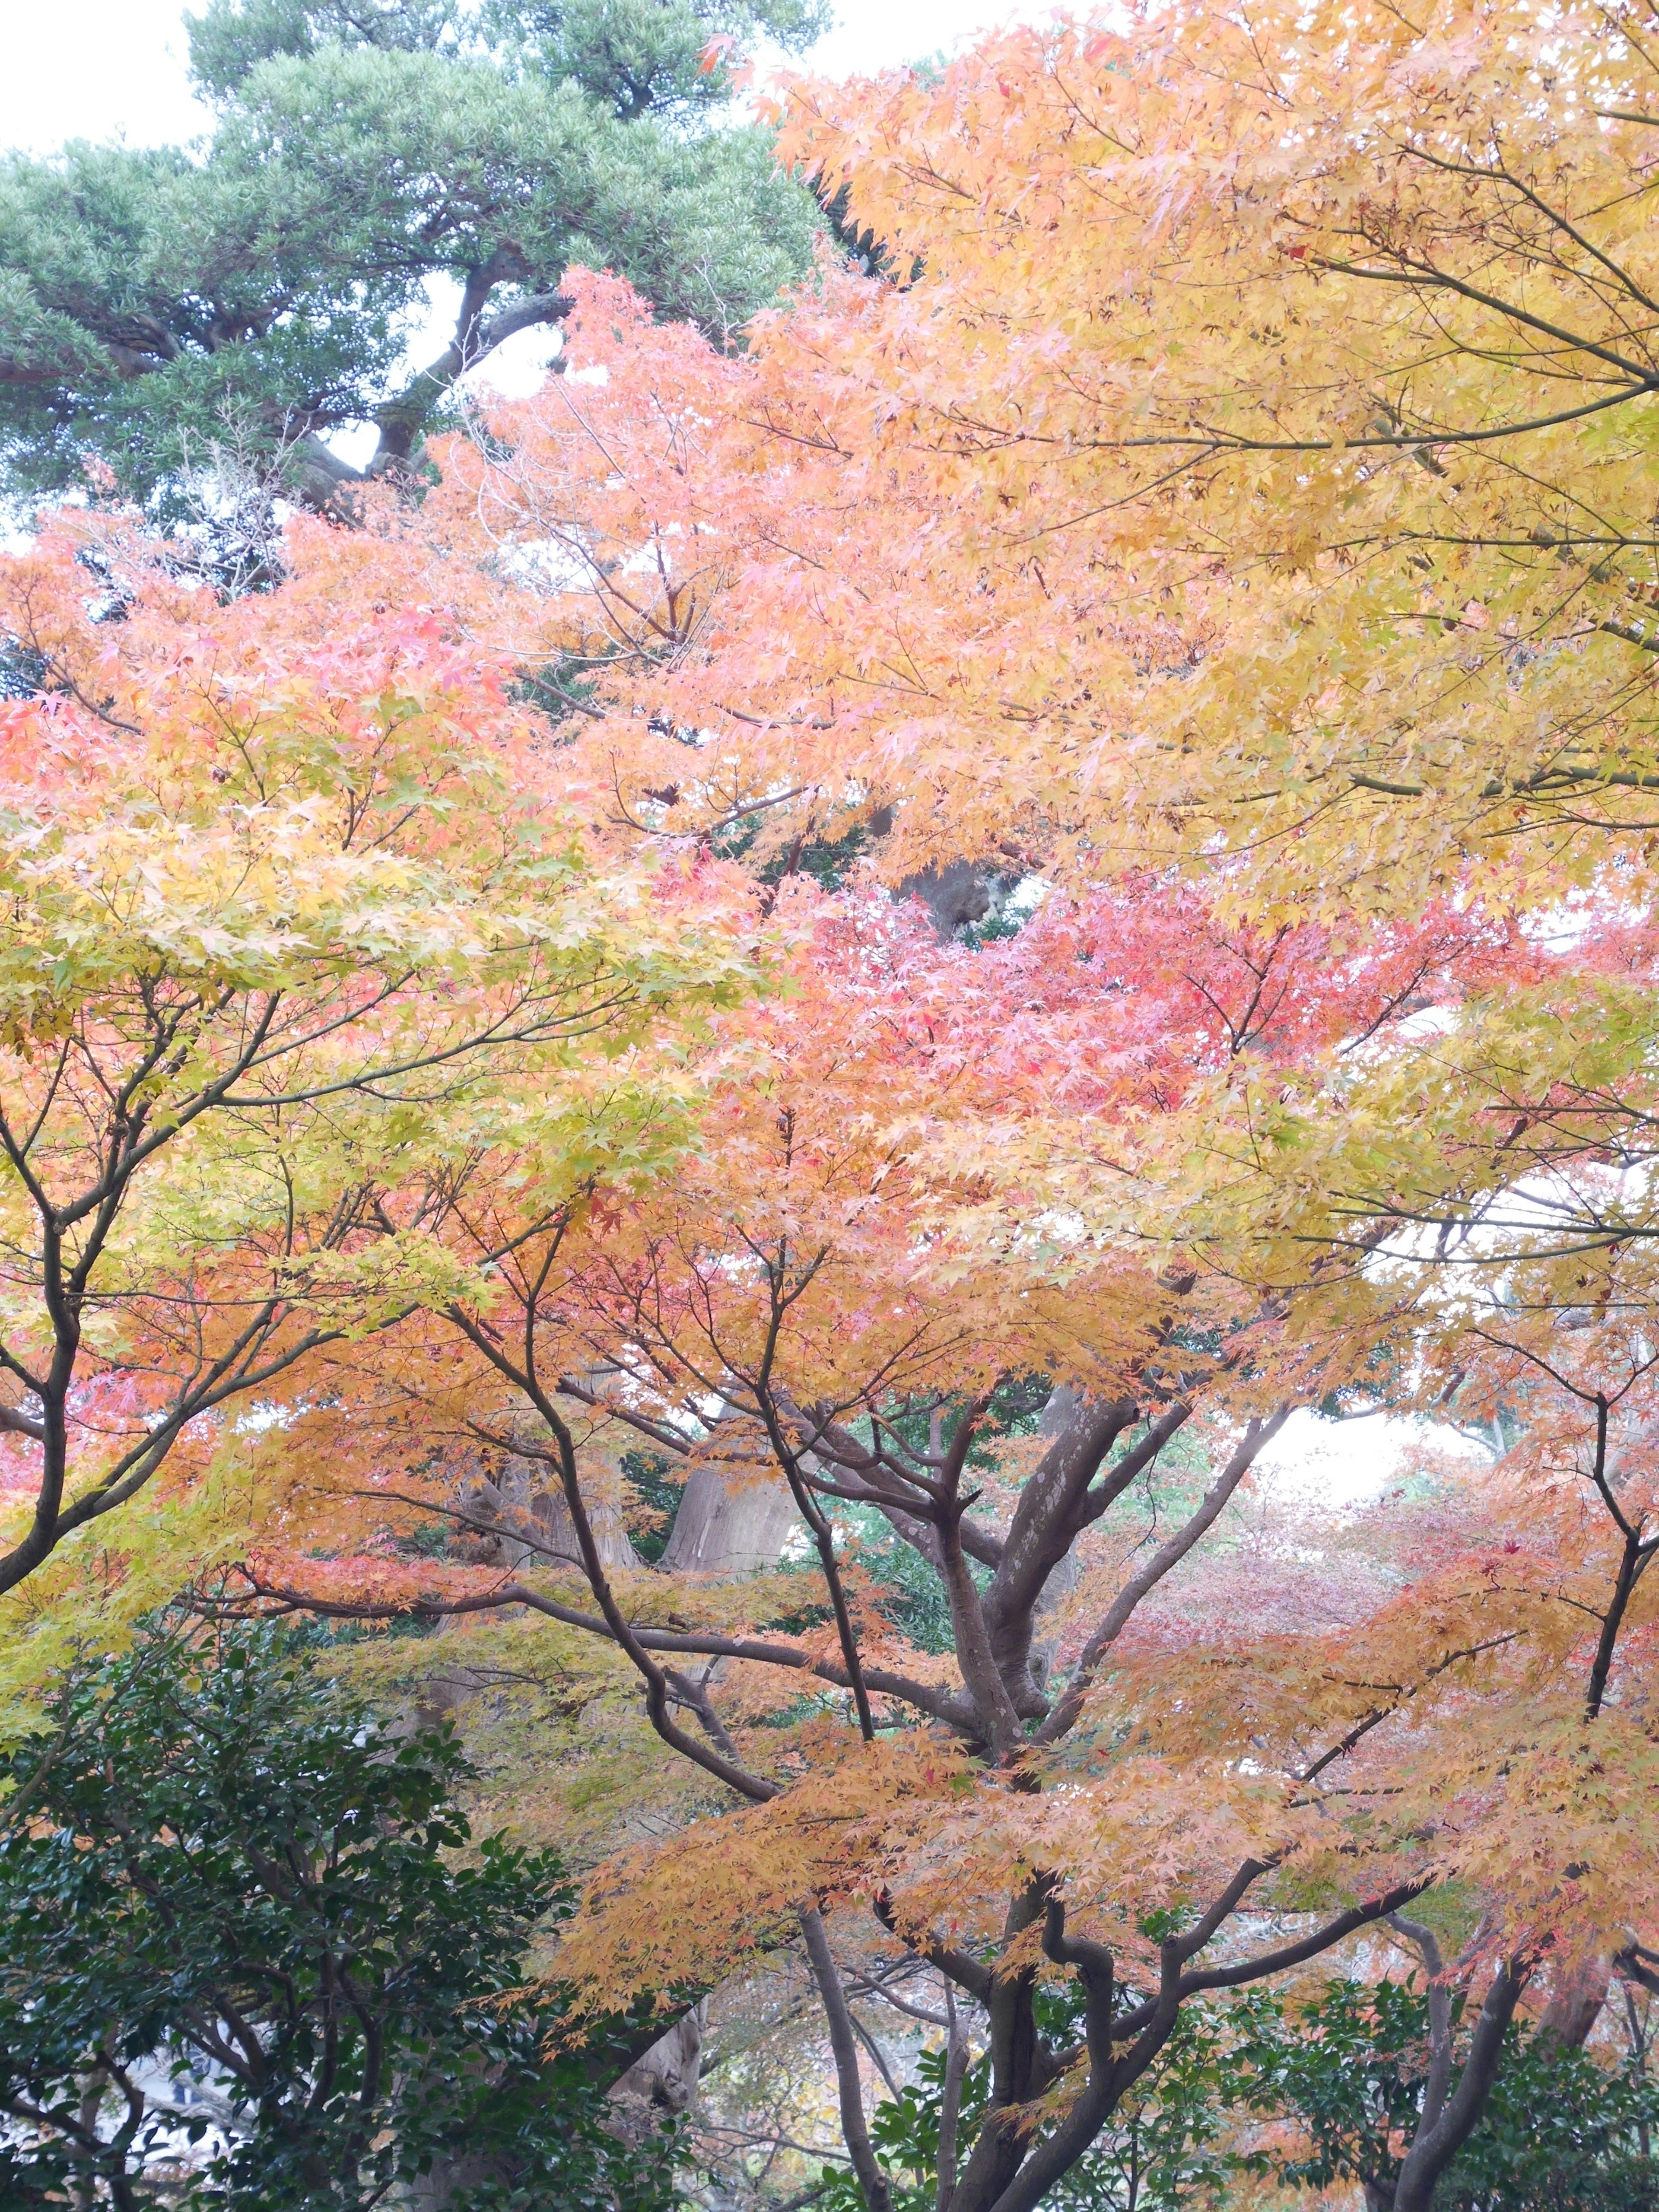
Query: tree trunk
[(1061, 1586), (726, 1529), (525, 1495), (1433, 2149), (610, 1528), (872, 2180), (664, 2080), (1575, 2001)]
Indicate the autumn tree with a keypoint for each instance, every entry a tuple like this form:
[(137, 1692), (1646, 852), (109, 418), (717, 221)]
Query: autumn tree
[(833, 1292), (1280, 381), (278, 920), (1083, 543), (1346, 401)]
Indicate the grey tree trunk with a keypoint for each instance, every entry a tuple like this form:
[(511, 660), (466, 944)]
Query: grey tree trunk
[(663, 2080), (1433, 2149), (610, 1528), (525, 1496), (720, 1529), (1575, 2001)]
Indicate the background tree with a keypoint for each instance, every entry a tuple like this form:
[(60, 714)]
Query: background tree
[(1350, 2067), (1306, 495), (850, 1283), (254, 1960), (258, 291)]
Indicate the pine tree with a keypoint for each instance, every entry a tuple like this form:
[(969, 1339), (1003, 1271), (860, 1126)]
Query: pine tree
[(258, 292)]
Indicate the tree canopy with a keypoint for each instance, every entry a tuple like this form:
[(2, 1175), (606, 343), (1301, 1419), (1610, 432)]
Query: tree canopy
[(256, 292), (276, 912), (908, 942)]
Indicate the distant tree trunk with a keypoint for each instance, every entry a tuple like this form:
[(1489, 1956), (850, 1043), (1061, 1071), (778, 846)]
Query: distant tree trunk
[(523, 1495), (957, 896), (1061, 1586), (726, 1529), (1579, 1992), (610, 1528), (664, 2079)]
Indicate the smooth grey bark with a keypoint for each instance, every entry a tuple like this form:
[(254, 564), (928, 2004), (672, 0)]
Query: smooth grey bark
[(664, 2078), (1022, 2066), (521, 1517), (1438, 2082), (722, 1529)]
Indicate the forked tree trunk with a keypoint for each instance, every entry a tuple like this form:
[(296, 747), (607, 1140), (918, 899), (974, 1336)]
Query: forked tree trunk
[(1433, 2147)]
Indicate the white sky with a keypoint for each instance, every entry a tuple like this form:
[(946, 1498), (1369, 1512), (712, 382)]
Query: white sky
[(107, 69), (1346, 1464)]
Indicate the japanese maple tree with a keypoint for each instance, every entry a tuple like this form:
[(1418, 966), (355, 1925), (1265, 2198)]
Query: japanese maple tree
[(281, 922), (1222, 510)]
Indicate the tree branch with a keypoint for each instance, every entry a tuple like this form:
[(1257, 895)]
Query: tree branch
[(843, 2045), (1257, 1434)]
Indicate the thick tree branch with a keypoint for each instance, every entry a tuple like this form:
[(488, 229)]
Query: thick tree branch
[(403, 419), (937, 1704), (1257, 1434), (1434, 2146)]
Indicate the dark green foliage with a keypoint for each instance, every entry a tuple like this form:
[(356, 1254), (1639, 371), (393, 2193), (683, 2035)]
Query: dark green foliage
[(1015, 1409), (910, 1591), (826, 860), (238, 1915), (1559, 2134), (1351, 2071), (228, 41), (156, 305), (638, 56), (861, 246), (647, 1473), (23, 673)]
